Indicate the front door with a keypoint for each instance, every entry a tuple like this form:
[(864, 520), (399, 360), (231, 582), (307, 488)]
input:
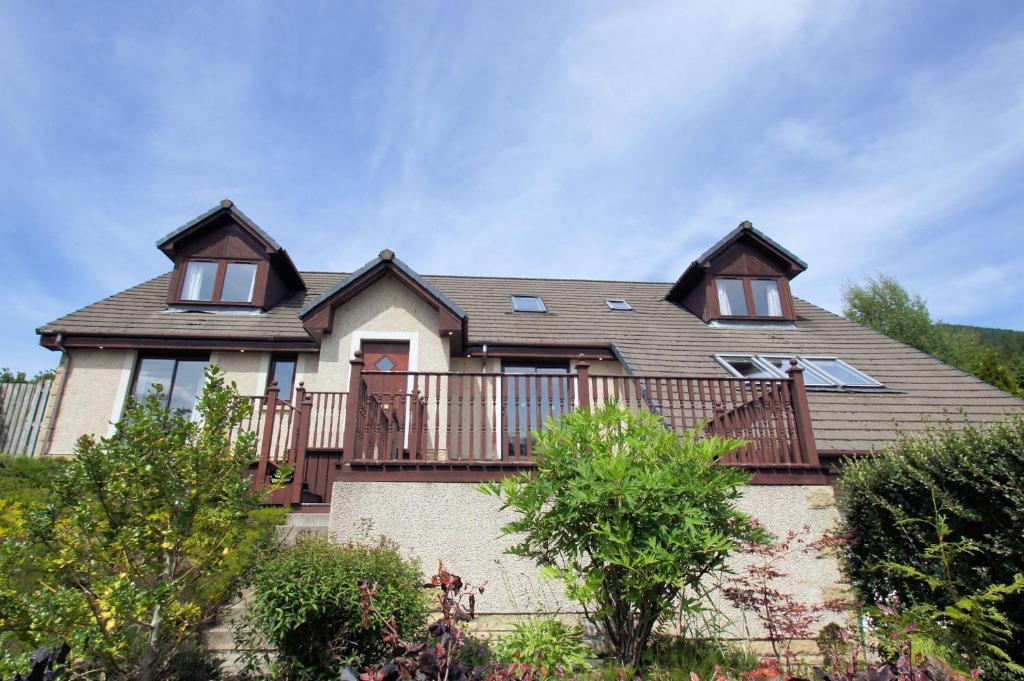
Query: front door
[(389, 391)]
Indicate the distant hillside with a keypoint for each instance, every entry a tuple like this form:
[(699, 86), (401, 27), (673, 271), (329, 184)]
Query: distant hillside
[(1007, 342)]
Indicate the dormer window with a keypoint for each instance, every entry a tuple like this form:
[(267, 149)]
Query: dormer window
[(743, 278), (208, 281), (239, 281), (738, 297), (222, 258)]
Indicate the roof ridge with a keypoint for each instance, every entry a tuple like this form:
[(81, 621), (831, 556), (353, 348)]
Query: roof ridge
[(512, 278)]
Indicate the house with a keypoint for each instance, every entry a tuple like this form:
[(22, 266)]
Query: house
[(394, 392)]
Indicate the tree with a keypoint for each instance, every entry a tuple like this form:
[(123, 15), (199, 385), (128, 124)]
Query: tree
[(628, 515), (136, 522), (884, 305)]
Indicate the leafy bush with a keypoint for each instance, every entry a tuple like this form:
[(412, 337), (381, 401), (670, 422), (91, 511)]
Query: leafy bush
[(973, 475), (545, 643), (628, 514), (135, 524), (307, 604)]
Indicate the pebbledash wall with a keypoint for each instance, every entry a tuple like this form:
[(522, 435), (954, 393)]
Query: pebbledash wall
[(459, 525)]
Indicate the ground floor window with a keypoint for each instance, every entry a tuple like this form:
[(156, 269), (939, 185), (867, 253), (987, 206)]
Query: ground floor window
[(282, 370), (535, 393), (179, 379)]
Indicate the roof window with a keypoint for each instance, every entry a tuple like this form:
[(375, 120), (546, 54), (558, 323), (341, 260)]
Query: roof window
[(528, 304), (819, 372), (620, 304)]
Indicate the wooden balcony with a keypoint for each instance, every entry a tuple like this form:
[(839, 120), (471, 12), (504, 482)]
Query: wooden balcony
[(432, 426)]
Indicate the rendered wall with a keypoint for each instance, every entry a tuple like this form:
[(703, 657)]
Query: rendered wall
[(93, 396), (455, 523), (387, 310)]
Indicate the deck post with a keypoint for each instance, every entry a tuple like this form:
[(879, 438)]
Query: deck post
[(355, 397), (305, 406), (802, 414), (268, 432), (583, 383)]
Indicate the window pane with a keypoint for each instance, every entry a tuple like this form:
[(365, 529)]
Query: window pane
[(731, 301), (618, 304), (528, 304), (747, 367), (188, 383), (766, 298), (153, 372), (284, 374), (239, 279), (199, 278), (841, 372), (811, 375)]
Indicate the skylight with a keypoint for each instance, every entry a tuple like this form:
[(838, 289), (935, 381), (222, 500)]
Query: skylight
[(620, 304), (528, 304), (819, 372)]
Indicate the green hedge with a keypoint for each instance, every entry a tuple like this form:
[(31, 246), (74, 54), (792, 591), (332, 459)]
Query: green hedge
[(307, 603), (975, 475)]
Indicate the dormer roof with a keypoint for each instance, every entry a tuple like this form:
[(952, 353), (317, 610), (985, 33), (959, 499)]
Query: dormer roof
[(744, 233), (178, 240)]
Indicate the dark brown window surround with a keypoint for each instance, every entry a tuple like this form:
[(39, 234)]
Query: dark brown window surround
[(218, 284), (175, 357), (286, 391), (785, 299)]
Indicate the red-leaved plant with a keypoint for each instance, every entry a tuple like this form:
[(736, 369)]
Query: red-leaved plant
[(440, 657), (784, 618)]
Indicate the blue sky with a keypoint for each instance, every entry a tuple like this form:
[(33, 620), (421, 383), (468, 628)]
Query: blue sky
[(566, 139)]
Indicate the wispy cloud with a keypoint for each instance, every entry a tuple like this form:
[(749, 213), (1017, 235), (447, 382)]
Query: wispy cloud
[(601, 140)]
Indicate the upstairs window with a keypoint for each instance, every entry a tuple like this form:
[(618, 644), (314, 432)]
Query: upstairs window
[(749, 297), (212, 281), (732, 302), (528, 304), (619, 304), (200, 279), (239, 281), (819, 372)]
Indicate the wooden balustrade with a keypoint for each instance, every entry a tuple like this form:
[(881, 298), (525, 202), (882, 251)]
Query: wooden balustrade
[(443, 419)]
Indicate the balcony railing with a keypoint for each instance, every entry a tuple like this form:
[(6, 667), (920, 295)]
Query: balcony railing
[(432, 421)]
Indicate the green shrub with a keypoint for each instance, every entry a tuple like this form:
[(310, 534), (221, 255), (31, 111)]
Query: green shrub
[(546, 644), (307, 604), (134, 526), (888, 502), (629, 515)]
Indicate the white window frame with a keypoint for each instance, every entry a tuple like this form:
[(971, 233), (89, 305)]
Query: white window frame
[(543, 306), (807, 361), (811, 359), (618, 301)]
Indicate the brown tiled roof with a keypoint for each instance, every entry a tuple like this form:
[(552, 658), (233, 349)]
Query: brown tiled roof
[(657, 337)]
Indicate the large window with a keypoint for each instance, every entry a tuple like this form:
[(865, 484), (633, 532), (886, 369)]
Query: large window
[(819, 372), (536, 392), (748, 297), (210, 281), (178, 380), (282, 370)]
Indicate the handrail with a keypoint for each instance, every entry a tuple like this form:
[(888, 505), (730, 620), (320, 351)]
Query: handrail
[(480, 417)]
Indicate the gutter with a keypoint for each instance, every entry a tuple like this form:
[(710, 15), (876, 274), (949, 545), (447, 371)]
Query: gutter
[(52, 426)]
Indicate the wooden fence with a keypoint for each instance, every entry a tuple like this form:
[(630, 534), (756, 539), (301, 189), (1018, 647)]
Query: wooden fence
[(22, 413)]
